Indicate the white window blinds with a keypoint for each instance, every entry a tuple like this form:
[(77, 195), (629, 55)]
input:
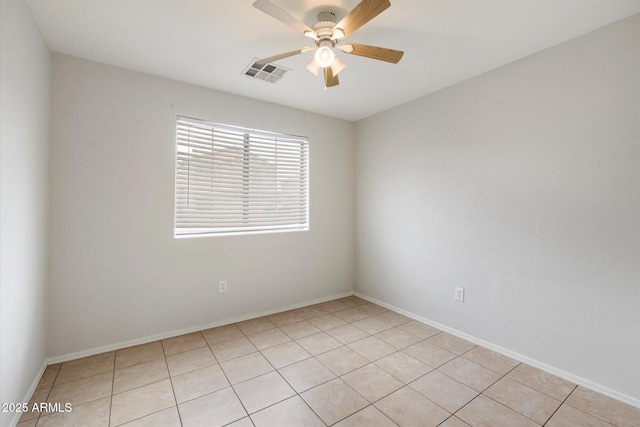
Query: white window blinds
[(235, 180)]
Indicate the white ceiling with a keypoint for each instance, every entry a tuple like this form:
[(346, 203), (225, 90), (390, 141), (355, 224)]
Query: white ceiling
[(210, 42)]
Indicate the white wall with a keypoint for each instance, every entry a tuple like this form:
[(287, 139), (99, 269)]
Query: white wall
[(24, 116), (521, 185), (117, 273)]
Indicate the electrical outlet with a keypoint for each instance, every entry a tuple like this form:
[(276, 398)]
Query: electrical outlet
[(459, 294), (222, 286)]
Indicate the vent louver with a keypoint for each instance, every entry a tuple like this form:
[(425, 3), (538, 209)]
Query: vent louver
[(271, 73)]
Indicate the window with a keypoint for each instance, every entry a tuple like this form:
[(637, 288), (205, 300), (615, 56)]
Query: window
[(234, 180)]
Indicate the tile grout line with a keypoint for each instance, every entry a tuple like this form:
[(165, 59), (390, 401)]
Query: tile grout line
[(225, 374), (175, 399), (235, 392), (535, 389), (184, 373), (370, 362), (297, 394), (481, 393), (588, 413), (113, 385), (562, 403), (530, 388), (41, 414), (368, 316), (48, 394)]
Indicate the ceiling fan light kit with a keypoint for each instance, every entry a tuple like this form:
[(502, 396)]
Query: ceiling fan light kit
[(337, 66), (327, 34), (313, 67), (324, 56)]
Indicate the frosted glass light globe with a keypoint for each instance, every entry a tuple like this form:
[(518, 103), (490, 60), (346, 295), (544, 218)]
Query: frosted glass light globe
[(324, 56)]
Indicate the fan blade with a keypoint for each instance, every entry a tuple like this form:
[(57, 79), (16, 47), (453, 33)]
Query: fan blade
[(361, 14), (274, 58), (329, 79), (373, 52), (272, 10)]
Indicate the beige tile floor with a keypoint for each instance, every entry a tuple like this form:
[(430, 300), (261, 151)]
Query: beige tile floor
[(345, 362)]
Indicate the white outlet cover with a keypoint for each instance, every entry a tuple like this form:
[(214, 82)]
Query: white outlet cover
[(459, 294)]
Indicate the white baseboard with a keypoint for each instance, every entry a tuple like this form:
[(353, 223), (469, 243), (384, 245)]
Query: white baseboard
[(27, 397), (517, 356), (174, 333)]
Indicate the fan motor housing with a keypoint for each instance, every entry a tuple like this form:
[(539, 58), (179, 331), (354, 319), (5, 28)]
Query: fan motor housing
[(327, 16), (324, 26)]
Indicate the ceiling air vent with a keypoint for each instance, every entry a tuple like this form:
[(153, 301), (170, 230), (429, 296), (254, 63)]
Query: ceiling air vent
[(269, 73)]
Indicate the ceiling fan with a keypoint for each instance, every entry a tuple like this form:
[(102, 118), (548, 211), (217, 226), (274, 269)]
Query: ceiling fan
[(328, 35)]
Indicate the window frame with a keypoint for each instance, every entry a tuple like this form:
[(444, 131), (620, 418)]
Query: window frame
[(258, 137)]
